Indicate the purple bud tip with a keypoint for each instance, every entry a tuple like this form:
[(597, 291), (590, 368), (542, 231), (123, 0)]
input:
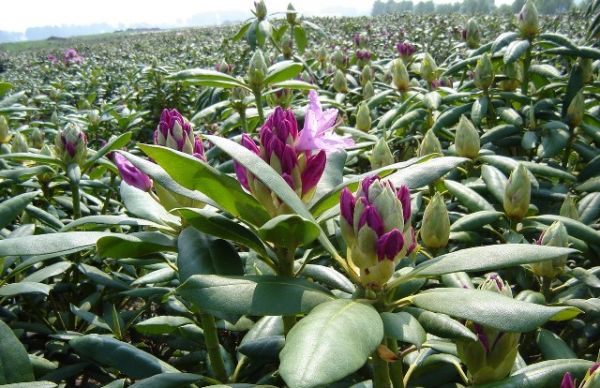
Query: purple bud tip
[(498, 281), (131, 174), (403, 194), (413, 241), (347, 203), (567, 381), (594, 368), (372, 219), (366, 184), (482, 337), (199, 149), (311, 175), (389, 245)]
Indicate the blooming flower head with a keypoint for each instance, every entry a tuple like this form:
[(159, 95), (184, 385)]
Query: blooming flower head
[(375, 223), (317, 132), (52, 58), (175, 132), (131, 174), (71, 56)]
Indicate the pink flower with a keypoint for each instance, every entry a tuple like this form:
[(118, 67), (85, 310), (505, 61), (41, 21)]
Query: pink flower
[(317, 132)]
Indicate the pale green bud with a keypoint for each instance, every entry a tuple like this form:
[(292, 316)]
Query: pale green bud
[(484, 72), (428, 68), (435, 228), (19, 143), (466, 140), (382, 155), (400, 75), (5, 134), (575, 110), (430, 144), (257, 70), (366, 75), (556, 236), (517, 194), (528, 20), (37, 138), (587, 71), (340, 84), (472, 34), (71, 144), (569, 209), (368, 91), (291, 14), (260, 9), (363, 117), (495, 283), (513, 74)]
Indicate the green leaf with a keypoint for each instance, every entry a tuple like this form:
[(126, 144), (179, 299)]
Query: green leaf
[(162, 325), (111, 220), (495, 181), (168, 380), (159, 276), (201, 254), (50, 245), (300, 38), (122, 356), (49, 271), (543, 374), (552, 346), (89, 317), (489, 257), (289, 230), (134, 244), (253, 295), (293, 84), (207, 77), (25, 173), (283, 71), (403, 327), (440, 324), (468, 197), (141, 204), (491, 309), (475, 221), (15, 289), (574, 227), (212, 223), (325, 346), (12, 207), (422, 174), (15, 366), (194, 174), (25, 156), (112, 145), (515, 50)]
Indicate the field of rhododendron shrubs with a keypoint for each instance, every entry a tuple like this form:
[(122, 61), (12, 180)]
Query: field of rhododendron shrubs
[(390, 201)]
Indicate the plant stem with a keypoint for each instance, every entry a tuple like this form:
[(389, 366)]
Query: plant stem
[(76, 200), (568, 148), (286, 268), (526, 64), (211, 339), (259, 106), (381, 372), (242, 113), (546, 288), (396, 372)]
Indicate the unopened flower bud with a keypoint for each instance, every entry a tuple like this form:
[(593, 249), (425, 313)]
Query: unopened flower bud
[(260, 10), (406, 50), (587, 71), (19, 143), (280, 97), (366, 75), (527, 20), (513, 74), (430, 144), (340, 60), (400, 75), (291, 14), (556, 236), (435, 228), (575, 110), (175, 132), (517, 194), (368, 91), (467, 139), (5, 134), (37, 138), (569, 209), (131, 174), (428, 68), (340, 84), (257, 70), (493, 355), (71, 144), (472, 34), (382, 155), (363, 117), (484, 72)]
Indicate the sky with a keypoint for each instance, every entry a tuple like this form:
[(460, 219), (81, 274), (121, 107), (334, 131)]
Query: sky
[(18, 15)]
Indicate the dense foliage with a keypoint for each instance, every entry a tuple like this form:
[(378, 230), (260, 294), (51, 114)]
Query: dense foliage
[(390, 201)]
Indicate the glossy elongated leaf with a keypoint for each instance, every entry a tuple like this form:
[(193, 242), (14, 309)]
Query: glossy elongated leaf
[(15, 366), (49, 271), (25, 172), (162, 324), (114, 144), (219, 187), (403, 327), (495, 181), (293, 84), (111, 220), (168, 380), (14, 289), (503, 40), (141, 204), (283, 71), (122, 356), (422, 174), (552, 346), (489, 257), (134, 244), (12, 207), (468, 197), (210, 222), (543, 374), (53, 244), (311, 355), (491, 309), (289, 230), (441, 324), (475, 221), (201, 254), (159, 276), (89, 317), (253, 295), (207, 77), (515, 50)]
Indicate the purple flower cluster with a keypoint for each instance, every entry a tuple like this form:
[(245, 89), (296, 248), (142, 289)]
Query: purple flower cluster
[(175, 132), (71, 56), (406, 49)]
